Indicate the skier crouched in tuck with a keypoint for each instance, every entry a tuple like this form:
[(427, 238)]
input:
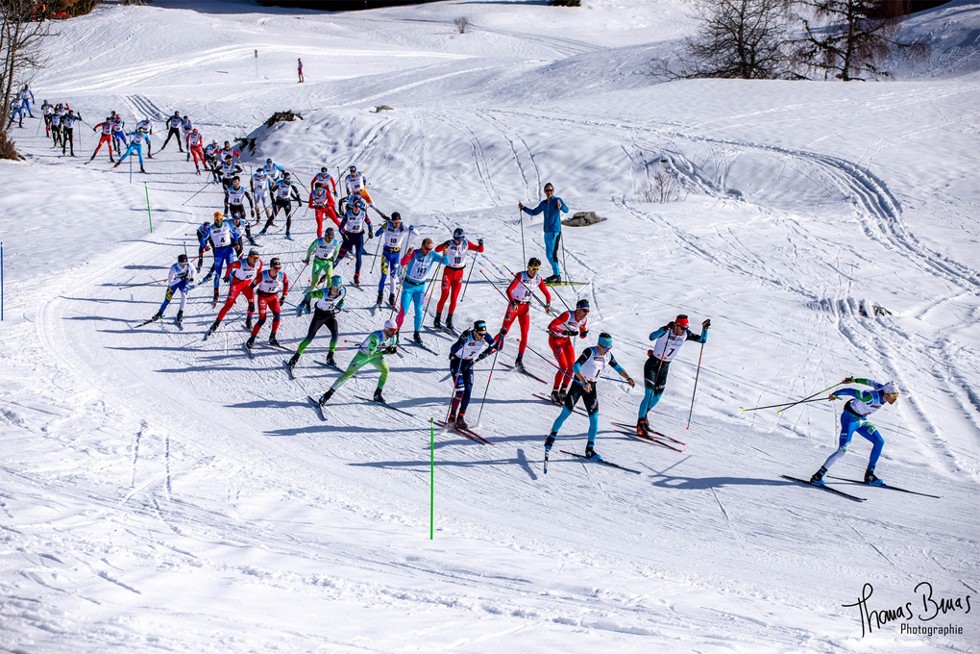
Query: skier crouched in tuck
[(853, 419), (372, 350), (587, 370)]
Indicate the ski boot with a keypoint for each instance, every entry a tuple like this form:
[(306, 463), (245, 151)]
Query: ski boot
[(273, 341), (381, 297), (461, 422), (555, 396), (870, 479), (437, 322), (417, 337), (293, 360), (562, 394), (378, 397), (179, 320), (248, 321), (590, 453), (391, 299), (142, 169), (214, 301), (250, 342), (213, 328), (642, 427), (817, 478), (519, 362), (357, 279), (449, 321), (330, 361), (288, 237), (325, 397), (156, 316), (548, 442)]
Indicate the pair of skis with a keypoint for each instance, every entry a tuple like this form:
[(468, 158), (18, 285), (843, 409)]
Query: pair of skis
[(651, 436), (600, 461), (323, 417), (855, 498)]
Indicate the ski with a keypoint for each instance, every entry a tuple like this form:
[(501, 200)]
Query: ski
[(524, 371), (422, 346), (567, 283), (603, 462), (652, 432), (144, 323), (248, 351), (853, 498), (469, 433), (547, 454), (545, 398), (648, 439), (289, 371), (319, 409), (888, 486), (386, 405), (332, 366)]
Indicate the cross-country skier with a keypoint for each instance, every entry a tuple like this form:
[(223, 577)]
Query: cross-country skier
[(395, 235), (211, 153), (519, 297), (271, 287), (472, 345), (26, 98), (56, 115), (16, 113), (185, 128), (328, 181), (261, 192), (195, 148), (560, 331), (669, 340), (321, 201), (587, 369), (105, 138), (552, 206), (235, 197), (241, 275), (355, 183), (118, 132), (46, 110), (452, 274), (228, 169), (328, 304), (854, 419), (68, 131), (136, 141), (372, 350), (285, 193), (221, 236), (181, 275), (323, 250), (352, 229), (273, 170), (173, 124), (419, 264)]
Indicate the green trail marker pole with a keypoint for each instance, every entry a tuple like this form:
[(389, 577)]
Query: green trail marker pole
[(148, 214), (432, 479)]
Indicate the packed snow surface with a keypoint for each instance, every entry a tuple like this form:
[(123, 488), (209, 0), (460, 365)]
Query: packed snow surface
[(164, 493)]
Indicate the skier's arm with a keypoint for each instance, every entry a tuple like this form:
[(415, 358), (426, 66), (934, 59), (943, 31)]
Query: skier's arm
[(478, 247), (536, 210), (442, 247), (658, 333), (513, 287), (622, 373), (309, 250), (560, 204), (285, 286)]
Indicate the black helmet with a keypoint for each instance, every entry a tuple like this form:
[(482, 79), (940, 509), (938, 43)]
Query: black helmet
[(274, 263), (582, 304), (253, 252), (181, 258)]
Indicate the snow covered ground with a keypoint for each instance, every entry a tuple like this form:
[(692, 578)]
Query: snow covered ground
[(160, 493)]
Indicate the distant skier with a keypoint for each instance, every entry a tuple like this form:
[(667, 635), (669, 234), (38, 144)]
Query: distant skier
[(118, 132), (299, 69), (261, 192), (321, 201), (552, 206), (235, 197), (418, 264), (328, 181), (394, 236), (352, 229), (519, 297), (46, 110), (179, 278), (285, 193), (854, 419), (16, 114), (104, 139), (587, 370), (566, 325), (323, 250), (136, 141), (186, 126), (147, 126), (271, 287), (328, 304), (228, 170), (26, 97), (241, 275), (372, 350), (668, 341), (173, 123), (195, 149), (452, 274), (272, 170), (472, 345)]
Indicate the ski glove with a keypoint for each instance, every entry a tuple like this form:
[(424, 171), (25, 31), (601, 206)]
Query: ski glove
[(392, 349), (669, 326), (484, 354), (479, 242), (584, 333), (706, 323)]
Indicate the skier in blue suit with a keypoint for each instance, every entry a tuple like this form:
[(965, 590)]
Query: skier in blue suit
[(552, 206)]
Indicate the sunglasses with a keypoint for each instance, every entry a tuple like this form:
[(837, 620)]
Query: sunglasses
[(549, 190)]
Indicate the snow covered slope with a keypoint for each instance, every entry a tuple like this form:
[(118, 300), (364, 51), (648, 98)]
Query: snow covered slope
[(161, 493)]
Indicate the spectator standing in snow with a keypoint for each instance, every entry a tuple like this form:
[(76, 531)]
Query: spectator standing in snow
[(299, 69), (552, 206)]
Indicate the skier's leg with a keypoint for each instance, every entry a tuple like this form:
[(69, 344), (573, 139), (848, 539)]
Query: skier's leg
[(849, 422), (870, 432)]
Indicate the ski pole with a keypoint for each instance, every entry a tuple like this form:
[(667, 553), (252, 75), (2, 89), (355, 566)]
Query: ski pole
[(489, 377), (467, 282), (696, 375), (520, 219), (377, 254), (786, 404), (807, 398), (530, 290), (196, 194), (431, 290), (564, 259)]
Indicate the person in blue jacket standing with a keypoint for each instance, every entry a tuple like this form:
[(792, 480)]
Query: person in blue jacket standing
[(854, 419), (552, 206)]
